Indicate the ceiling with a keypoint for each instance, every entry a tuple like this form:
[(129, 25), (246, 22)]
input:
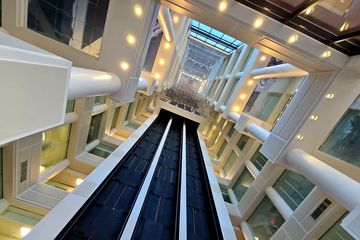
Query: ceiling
[(335, 23)]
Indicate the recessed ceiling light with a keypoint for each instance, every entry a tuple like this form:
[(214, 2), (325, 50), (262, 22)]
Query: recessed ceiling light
[(242, 96), (309, 10), (138, 10), (167, 45), (222, 5), (124, 65), (161, 61), (176, 19), (24, 231), (330, 96), (299, 137), (345, 26), (78, 181), (326, 54), (157, 76), (262, 58), (250, 82), (293, 38), (314, 117), (130, 39), (258, 22)]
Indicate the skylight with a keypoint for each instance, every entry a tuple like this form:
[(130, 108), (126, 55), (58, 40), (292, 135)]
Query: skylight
[(213, 37)]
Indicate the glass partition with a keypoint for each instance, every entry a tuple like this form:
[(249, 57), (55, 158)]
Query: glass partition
[(242, 184), (269, 105), (265, 220), (54, 146), (293, 188), (258, 159), (337, 232), (344, 141), (242, 142), (230, 162), (94, 128), (77, 23)]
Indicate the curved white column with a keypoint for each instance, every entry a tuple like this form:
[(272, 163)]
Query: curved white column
[(87, 82), (279, 203), (166, 24), (278, 71), (234, 116), (222, 108), (260, 133), (142, 84), (342, 188)]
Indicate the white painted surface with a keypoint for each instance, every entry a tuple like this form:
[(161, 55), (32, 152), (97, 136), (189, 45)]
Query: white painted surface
[(166, 23), (279, 71), (260, 133), (142, 84), (86, 82), (279, 203), (136, 210)]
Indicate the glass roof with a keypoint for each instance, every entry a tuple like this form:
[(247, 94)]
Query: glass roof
[(333, 22), (213, 37)]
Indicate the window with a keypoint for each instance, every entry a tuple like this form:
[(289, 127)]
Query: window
[(23, 171), (293, 188), (70, 106), (258, 159), (225, 194), (115, 118), (99, 100), (1, 173), (232, 130), (242, 184), (344, 140), (102, 150), (242, 142), (94, 128), (230, 162), (127, 117), (337, 232), (269, 105), (65, 21), (54, 146), (265, 220), (221, 149)]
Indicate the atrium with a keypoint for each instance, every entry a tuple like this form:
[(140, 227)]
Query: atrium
[(174, 119)]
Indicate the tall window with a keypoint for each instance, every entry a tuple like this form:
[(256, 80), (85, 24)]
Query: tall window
[(99, 100), (115, 118), (1, 172), (70, 106), (77, 23), (242, 142), (265, 220), (230, 162), (337, 232), (232, 130), (94, 128), (258, 159), (293, 188), (221, 149), (344, 140), (269, 105), (242, 184), (54, 146)]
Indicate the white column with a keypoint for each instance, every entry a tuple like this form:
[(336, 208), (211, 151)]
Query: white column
[(260, 133), (226, 72), (342, 188), (246, 229), (279, 203)]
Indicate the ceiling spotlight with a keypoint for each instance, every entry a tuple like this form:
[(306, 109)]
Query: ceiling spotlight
[(314, 117), (78, 181), (176, 19), (299, 137), (330, 96), (223, 5), (157, 76), (24, 231), (309, 10), (138, 10), (167, 45), (250, 82), (326, 54), (124, 65), (242, 96), (293, 38), (130, 39), (258, 22), (161, 61), (345, 26), (262, 58)]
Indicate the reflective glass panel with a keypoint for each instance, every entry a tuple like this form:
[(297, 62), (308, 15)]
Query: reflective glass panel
[(225, 194), (344, 141), (258, 159), (242, 184), (265, 220), (242, 142), (221, 149), (54, 146), (115, 118), (269, 105), (99, 100), (337, 232), (230, 162), (293, 188), (94, 128), (77, 23), (231, 130), (70, 106)]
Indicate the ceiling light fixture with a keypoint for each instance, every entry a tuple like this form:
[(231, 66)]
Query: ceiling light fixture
[(345, 26), (330, 96), (161, 61), (79, 181), (309, 10), (242, 96), (293, 38), (124, 65), (138, 10), (314, 117), (262, 58), (326, 54), (250, 82), (176, 19), (258, 22), (167, 45), (223, 5), (24, 231), (299, 137), (131, 40)]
